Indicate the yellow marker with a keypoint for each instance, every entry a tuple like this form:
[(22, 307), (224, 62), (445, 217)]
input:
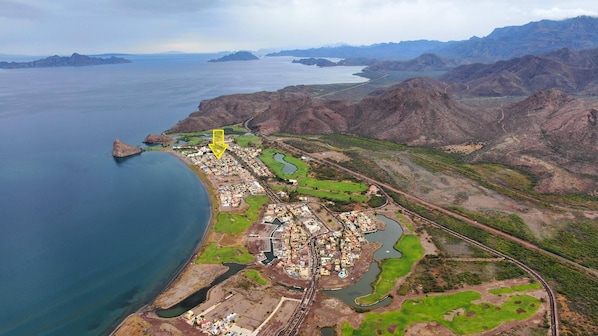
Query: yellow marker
[(218, 146)]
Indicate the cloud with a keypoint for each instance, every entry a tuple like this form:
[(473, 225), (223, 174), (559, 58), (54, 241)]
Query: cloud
[(17, 10), (556, 13)]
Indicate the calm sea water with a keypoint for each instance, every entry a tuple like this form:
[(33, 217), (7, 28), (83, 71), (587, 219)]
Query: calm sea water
[(84, 239)]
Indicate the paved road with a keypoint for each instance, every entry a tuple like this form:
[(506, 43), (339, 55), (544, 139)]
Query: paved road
[(552, 298)]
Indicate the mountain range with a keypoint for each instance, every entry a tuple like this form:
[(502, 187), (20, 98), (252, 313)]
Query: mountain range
[(503, 43), (548, 126), (58, 61)]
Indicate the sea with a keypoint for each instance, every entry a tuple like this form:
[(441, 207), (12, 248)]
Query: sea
[(86, 240)]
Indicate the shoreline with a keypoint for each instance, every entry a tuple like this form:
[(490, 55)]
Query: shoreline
[(205, 182)]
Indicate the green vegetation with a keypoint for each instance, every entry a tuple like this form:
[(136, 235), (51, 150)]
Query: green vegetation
[(348, 141), (520, 288), (376, 201), (393, 268), (509, 223), (576, 241), (248, 140), (343, 186), (435, 274), (404, 221), (580, 289), (333, 196), (444, 309), (256, 276), (232, 223), (227, 254), (267, 158)]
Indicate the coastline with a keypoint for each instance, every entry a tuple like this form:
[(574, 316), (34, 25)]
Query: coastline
[(189, 263)]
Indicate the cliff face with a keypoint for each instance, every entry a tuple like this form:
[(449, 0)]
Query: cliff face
[(153, 139), (121, 149)]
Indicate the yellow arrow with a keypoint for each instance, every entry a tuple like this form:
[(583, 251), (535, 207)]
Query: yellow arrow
[(218, 146)]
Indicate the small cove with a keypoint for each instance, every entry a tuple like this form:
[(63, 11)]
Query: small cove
[(388, 237)]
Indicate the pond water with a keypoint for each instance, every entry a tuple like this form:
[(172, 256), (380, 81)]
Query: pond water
[(327, 331), (288, 168), (388, 237), (200, 296)]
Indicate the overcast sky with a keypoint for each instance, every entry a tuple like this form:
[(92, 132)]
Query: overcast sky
[(42, 27)]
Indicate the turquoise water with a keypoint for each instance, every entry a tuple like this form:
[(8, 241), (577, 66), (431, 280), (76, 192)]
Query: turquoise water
[(85, 240)]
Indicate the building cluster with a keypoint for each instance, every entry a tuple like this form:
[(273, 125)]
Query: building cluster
[(233, 180), (297, 225), (220, 326), (249, 155), (358, 219), (338, 251)]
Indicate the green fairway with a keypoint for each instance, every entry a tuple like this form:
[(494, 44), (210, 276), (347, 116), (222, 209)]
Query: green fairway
[(245, 140), (454, 311), (267, 158), (256, 276), (393, 268), (520, 288), (333, 196), (214, 255), (332, 185), (233, 223)]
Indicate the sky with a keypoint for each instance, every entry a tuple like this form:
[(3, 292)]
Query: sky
[(41, 27)]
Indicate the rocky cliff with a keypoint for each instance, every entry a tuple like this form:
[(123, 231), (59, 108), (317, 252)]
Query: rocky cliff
[(121, 149)]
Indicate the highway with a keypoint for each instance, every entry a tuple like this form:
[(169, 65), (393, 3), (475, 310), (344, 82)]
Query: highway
[(554, 327)]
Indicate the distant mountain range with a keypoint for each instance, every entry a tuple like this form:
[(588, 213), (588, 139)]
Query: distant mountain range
[(58, 61), (503, 43)]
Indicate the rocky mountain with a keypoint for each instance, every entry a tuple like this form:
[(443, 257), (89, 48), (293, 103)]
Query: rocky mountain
[(58, 61), (503, 43), (121, 149), (238, 56), (552, 135), (563, 69), (424, 62), (549, 134), (228, 110)]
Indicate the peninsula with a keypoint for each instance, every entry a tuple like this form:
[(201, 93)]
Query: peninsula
[(59, 61)]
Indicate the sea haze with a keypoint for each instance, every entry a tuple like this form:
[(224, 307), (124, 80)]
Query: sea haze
[(85, 240)]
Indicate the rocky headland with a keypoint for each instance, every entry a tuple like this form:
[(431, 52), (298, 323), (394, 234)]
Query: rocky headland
[(157, 139), (121, 149), (58, 61)]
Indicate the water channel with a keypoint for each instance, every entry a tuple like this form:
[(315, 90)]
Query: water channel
[(388, 237), (288, 168), (200, 296)]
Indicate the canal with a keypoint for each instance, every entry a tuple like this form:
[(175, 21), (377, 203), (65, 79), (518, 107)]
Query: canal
[(388, 237)]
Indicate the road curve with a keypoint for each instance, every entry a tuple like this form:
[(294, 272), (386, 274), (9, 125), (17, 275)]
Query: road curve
[(554, 328)]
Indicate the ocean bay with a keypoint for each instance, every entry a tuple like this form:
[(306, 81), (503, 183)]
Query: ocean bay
[(86, 239)]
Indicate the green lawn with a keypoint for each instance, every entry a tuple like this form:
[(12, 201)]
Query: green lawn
[(333, 196), (256, 276), (214, 255), (520, 288), (232, 223), (333, 185), (476, 319), (267, 158), (245, 140), (393, 268)]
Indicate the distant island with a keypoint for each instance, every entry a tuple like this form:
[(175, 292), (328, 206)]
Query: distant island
[(58, 61), (238, 56)]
